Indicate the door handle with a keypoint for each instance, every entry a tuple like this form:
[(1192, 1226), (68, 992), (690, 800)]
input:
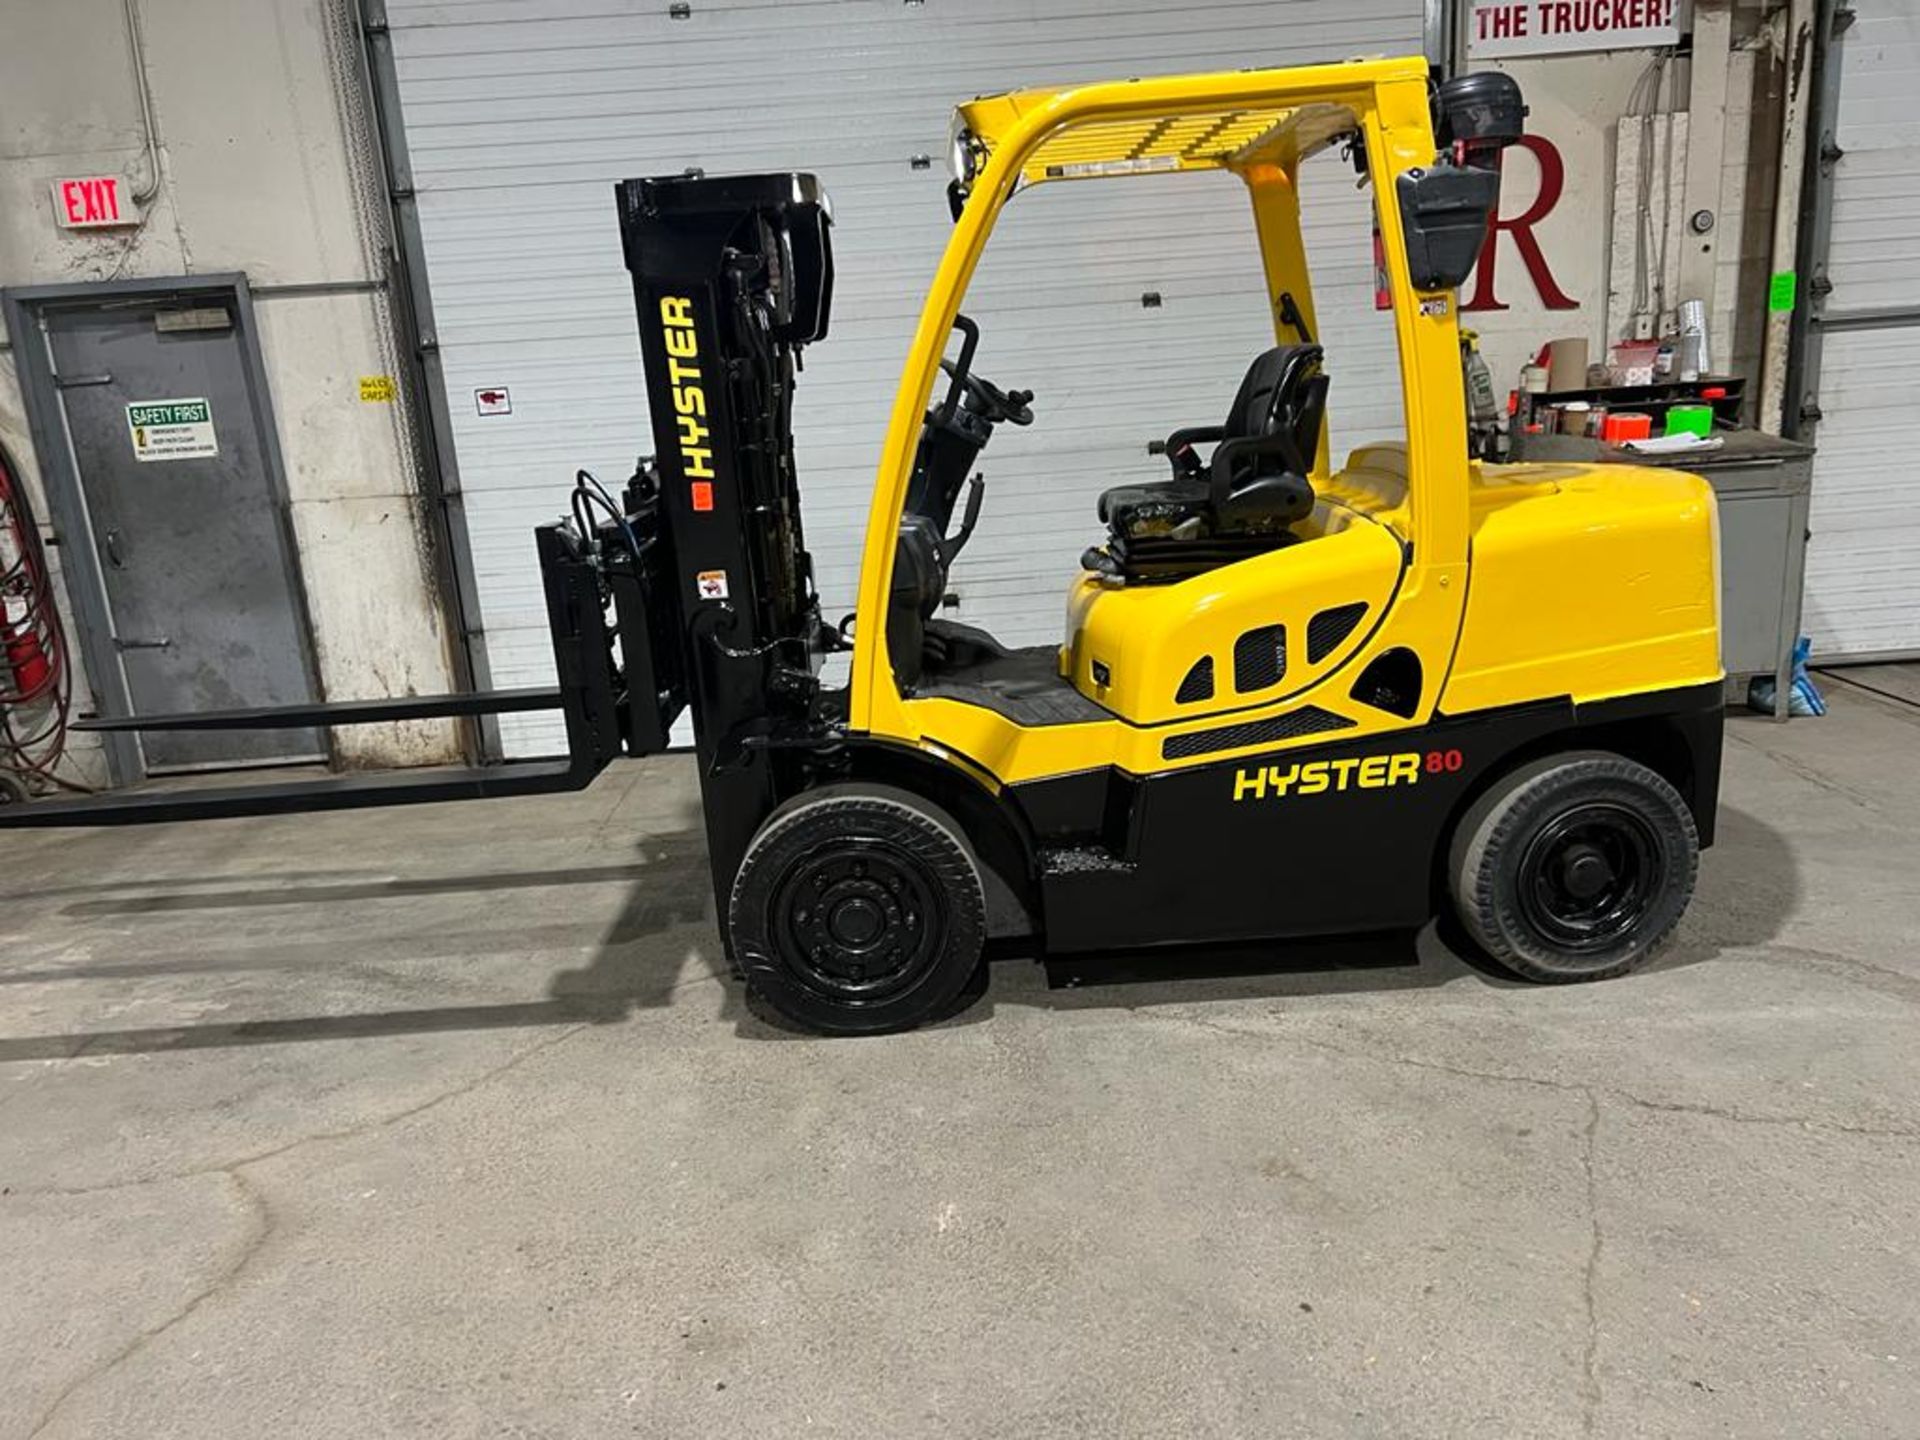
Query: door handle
[(111, 543), (74, 382), (163, 643)]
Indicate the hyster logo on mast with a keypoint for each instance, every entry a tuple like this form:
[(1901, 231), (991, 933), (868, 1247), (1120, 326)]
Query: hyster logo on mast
[(689, 399)]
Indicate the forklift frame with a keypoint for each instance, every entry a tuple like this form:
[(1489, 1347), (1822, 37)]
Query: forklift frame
[(1087, 806)]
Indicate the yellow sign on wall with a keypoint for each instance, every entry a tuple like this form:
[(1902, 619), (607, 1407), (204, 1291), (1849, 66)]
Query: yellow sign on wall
[(376, 388)]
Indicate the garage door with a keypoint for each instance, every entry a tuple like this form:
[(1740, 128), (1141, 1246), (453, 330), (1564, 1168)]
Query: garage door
[(1130, 308), (1863, 586)]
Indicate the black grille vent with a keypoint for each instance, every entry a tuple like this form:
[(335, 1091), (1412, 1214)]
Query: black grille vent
[(1259, 658), (1199, 683), (1327, 629), (1311, 720)]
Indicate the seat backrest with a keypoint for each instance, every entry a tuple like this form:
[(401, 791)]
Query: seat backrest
[(1284, 393)]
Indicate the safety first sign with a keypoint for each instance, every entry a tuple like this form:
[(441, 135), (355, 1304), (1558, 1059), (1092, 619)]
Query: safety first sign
[(171, 429), (1558, 27)]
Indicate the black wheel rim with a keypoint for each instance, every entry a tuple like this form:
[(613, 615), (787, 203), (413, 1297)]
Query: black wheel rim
[(858, 919), (1588, 877)]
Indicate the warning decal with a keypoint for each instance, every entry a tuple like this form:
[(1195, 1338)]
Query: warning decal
[(171, 429)]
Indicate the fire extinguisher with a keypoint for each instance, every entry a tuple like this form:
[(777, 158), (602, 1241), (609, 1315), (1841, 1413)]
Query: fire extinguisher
[(26, 656)]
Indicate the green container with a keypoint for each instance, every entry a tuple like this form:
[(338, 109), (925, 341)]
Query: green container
[(1690, 420)]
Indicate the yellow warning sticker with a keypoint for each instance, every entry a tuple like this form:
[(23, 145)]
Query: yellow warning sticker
[(376, 389)]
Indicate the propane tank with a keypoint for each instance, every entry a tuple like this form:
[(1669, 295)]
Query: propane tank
[(26, 656)]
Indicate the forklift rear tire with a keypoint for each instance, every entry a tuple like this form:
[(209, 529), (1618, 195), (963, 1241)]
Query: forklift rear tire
[(1575, 867), (859, 910)]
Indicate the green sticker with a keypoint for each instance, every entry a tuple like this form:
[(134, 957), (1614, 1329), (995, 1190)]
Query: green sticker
[(1781, 290), (172, 429)]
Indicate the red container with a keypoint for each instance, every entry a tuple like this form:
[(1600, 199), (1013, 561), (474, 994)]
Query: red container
[(1624, 425), (25, 658)]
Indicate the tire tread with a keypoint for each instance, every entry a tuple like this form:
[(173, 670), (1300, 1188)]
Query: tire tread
[(1493, 823), (918, 825)]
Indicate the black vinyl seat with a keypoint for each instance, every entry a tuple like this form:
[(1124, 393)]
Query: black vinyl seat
[(1239, 501)]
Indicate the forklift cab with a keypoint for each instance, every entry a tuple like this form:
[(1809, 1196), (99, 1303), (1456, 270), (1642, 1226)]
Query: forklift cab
[(1185, 605), (1291, 697), (1278, 706)]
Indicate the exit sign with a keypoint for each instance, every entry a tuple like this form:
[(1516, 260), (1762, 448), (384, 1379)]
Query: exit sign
[(89, 202)]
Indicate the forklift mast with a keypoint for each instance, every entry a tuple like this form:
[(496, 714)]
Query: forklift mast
[(732, 277), (692, 593)]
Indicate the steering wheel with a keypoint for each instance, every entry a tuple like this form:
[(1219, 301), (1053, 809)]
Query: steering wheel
[(991, 402)]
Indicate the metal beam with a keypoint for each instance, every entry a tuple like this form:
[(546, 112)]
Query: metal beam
[(331, 792), (341, 712), (1706, 151), (1811, 320), (440, 470), (1802, 27)]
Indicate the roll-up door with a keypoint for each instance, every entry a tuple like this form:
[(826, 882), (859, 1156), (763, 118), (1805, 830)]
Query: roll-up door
[(1863, 581), (1130, 308)]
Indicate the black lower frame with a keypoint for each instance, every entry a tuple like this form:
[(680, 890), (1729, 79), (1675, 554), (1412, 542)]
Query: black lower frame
[(1318, 839)]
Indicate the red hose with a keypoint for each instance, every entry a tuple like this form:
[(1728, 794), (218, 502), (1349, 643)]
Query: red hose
[(36, 680)]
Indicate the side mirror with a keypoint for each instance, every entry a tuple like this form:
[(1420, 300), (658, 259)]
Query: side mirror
[(1444, 212)]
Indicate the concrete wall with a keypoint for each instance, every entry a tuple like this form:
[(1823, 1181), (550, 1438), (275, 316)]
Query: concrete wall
[(262, 170)]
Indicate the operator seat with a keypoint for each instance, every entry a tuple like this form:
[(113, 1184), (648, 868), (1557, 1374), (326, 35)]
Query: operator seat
[(1243, 498)]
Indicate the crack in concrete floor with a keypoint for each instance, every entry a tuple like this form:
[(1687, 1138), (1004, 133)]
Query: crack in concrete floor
[(261, 1225), (1590, 1280)]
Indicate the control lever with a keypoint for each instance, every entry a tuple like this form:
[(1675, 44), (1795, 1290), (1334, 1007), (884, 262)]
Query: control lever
[(976, 492)]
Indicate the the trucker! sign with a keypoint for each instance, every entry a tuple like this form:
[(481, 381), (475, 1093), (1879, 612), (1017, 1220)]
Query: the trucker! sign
[(1551, 27)]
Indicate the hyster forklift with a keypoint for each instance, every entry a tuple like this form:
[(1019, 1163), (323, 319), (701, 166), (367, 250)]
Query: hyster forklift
[(1291, 698)]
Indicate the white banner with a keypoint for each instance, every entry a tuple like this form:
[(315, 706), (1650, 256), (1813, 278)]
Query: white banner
[(1558, 27)]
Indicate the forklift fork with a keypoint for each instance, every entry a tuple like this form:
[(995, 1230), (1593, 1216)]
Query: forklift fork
[(595, 696)]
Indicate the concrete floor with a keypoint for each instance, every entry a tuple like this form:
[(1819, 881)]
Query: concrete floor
[(438, 1122)]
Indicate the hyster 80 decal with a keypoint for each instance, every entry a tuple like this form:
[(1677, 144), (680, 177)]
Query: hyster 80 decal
[(689, 399), (1369, 772)]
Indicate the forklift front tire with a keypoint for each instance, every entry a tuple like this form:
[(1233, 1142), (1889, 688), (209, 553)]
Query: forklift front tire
[(859, 910), (1575, 867)]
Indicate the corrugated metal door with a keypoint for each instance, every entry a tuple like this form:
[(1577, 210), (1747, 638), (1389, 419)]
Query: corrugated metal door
[(1130, 308), (1863, 587)]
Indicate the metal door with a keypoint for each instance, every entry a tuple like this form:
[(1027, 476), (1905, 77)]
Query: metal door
[(187, 531)]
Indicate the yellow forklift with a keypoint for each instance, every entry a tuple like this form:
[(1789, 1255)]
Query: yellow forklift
[(1293, 696)]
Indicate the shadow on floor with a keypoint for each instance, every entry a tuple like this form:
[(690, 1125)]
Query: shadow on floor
[(636, 966), (1187, 975), (663, 940), (296, 893), (1748, 887)]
